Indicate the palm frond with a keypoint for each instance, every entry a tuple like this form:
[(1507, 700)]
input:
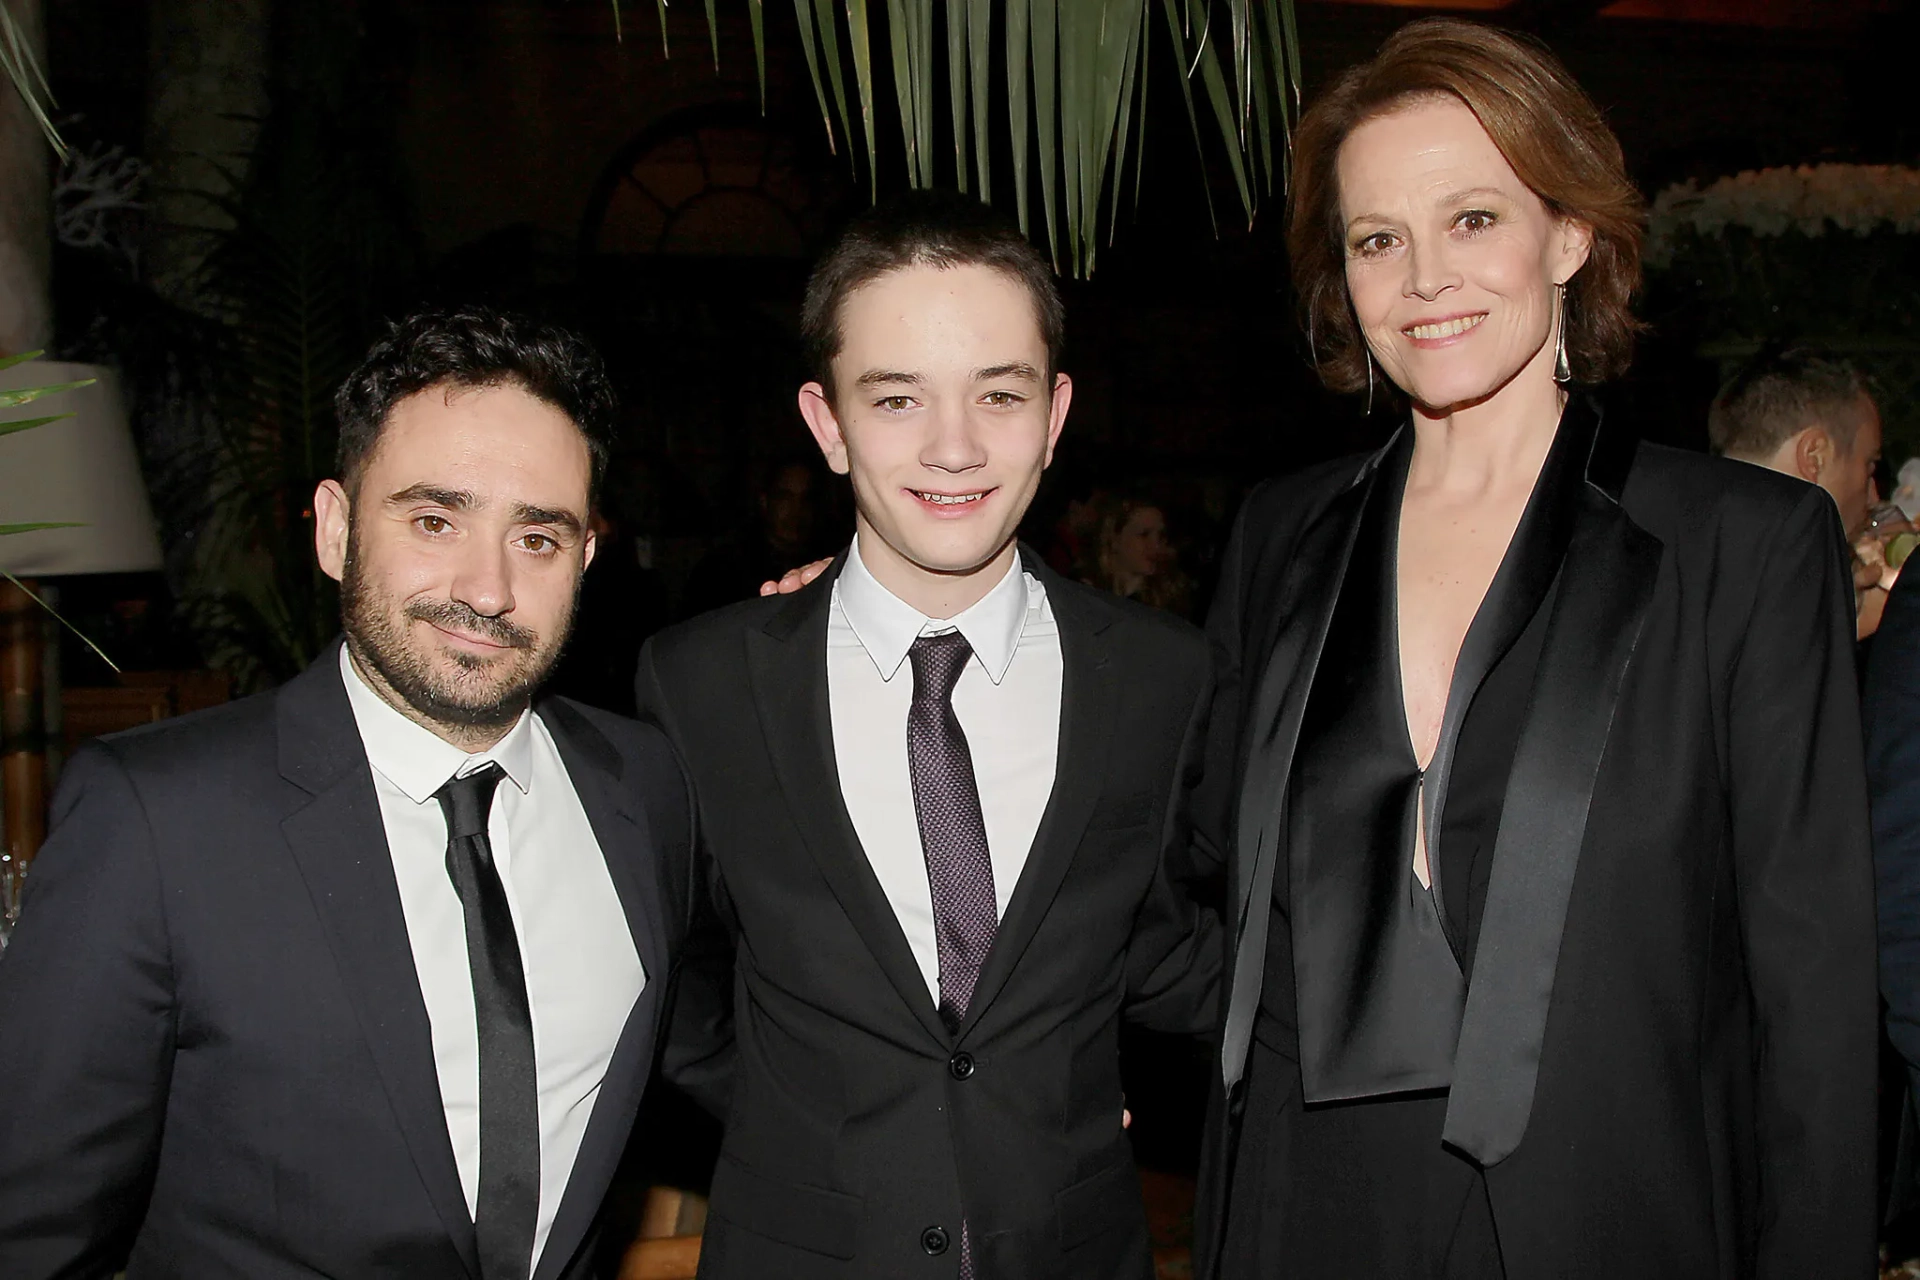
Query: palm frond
[(1076, 80), (22, 67)]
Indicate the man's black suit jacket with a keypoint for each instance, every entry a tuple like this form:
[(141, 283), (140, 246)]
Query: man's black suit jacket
[(860, 1131), (1892, 709), (212, 1038)]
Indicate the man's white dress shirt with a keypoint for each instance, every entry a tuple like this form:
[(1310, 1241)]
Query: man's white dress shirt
[(1008, 704), (583, 973)]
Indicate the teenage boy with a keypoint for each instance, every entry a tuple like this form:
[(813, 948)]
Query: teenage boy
[(938, 795)]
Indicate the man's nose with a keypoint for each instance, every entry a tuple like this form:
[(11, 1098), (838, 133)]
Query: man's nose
[(484, 582)]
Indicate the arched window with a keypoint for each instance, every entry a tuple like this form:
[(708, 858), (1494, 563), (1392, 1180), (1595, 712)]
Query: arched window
[(714, 180)]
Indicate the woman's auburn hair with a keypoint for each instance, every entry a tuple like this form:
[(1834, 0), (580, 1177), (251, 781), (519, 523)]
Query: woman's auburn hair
[(1545, 125)]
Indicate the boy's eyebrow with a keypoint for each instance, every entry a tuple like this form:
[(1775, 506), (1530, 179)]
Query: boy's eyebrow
[(888, 377), (1014, 369)]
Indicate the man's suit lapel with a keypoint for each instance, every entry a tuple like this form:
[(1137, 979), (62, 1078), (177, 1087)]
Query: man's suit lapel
[(1088, 690), (1312, 571), (1605, 587), (787, 664), (339, 840), (635, 861)]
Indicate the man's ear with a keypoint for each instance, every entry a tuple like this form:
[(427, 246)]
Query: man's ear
[(817, 408), (332, 517), (586, 553), (1812, 453), (1057, 412)]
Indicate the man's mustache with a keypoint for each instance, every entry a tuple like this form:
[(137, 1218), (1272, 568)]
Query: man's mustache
[(454, 616)]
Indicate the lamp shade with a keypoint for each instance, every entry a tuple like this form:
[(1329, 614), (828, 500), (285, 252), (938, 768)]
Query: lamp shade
[(81, 469)]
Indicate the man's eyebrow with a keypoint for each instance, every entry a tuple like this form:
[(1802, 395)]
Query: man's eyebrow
[(565, 520), (888, 377), (452, 499), (1015, 369)]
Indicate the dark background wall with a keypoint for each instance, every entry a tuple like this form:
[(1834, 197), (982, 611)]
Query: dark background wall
[(518, 151)]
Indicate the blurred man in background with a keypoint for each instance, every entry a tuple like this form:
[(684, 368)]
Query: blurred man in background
[(1804, 413)]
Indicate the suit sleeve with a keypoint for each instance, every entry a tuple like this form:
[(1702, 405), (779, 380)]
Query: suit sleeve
[(1803, 875), (698, 1056), (1215, 792), (1893, 783), (1175, 954), (87, 1027)]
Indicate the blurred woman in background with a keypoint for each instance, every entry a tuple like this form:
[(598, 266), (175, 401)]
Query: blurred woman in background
[(1135, 558), (1535, 765)]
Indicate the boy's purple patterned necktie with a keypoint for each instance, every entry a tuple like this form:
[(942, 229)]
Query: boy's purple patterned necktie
[(953, 835)]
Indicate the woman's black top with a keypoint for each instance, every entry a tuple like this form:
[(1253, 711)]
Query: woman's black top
[(1364, 1187)]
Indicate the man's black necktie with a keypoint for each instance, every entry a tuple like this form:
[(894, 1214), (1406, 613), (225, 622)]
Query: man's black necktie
[(953, 836), (508, 1206)]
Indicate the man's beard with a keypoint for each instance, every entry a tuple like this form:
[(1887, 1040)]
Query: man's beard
[(379, 639)]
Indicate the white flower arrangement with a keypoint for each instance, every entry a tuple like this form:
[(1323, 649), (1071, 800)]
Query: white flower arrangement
[(1856, 198)]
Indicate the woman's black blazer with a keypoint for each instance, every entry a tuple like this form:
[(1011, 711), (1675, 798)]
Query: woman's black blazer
[(1667, 1058)]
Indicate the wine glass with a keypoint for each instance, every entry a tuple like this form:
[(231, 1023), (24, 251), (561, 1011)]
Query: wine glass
[(12, 875)]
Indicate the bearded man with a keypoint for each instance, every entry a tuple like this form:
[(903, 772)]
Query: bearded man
[(362, 977)]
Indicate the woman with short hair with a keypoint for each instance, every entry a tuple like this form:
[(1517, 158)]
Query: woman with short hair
[(1536, 763)]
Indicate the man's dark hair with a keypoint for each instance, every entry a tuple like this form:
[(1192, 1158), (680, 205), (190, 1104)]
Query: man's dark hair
[(923, 228), (471, 347), (1780, 393)]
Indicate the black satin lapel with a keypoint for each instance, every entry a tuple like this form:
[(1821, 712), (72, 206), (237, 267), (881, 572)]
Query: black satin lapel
[(340, 843), (1605, 588), (789, 675), (1087, 696), (1314, 569), (1519, 585)]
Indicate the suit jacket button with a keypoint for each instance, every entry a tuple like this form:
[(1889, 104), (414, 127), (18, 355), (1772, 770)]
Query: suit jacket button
[(934, 1240), (960, 1065)]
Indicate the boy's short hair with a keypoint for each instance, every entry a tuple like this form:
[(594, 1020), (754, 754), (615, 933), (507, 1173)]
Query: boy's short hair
[(923, 228)]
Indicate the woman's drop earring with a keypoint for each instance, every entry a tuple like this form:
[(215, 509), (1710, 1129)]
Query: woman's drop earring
[(1562, 371), (1368, 412)]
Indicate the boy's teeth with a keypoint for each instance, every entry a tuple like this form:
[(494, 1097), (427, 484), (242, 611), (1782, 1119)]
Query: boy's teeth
[(949, 500)]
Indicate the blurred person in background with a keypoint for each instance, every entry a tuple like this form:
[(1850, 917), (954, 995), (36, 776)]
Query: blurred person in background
[(1809, 414), (790, 517), (1891, 709), (1134, 558), (1066, 516), (622, 599)]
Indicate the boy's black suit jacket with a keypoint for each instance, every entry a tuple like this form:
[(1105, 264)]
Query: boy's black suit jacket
[(212, 1037), (861, 1132)]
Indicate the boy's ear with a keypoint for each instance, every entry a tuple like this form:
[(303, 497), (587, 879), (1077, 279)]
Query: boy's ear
[(816, 406)]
